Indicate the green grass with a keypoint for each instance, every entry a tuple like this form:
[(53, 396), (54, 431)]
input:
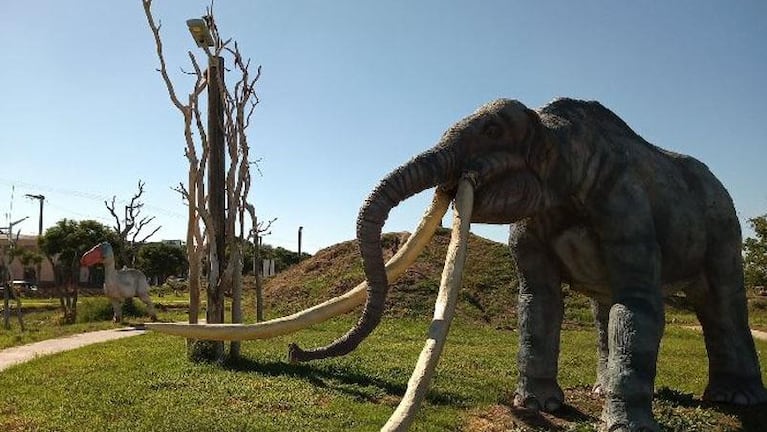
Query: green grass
[(44, 325), (146, 384)]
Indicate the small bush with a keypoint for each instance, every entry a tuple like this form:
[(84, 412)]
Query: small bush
[(172, 286), (758, 303), (100, 309)]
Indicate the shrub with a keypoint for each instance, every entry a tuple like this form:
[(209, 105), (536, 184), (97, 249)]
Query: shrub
[(100, 309)]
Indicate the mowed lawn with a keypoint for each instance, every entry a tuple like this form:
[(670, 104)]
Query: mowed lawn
[(145, 383)]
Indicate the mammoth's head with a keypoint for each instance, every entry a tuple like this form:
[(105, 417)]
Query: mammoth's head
[(503, 126), (500, 146), (503, 145)]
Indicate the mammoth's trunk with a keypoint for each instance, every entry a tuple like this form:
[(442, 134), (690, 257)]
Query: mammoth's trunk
[(426, 170)]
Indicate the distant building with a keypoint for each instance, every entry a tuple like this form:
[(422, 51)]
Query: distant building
[(177, 243), (17, 269)]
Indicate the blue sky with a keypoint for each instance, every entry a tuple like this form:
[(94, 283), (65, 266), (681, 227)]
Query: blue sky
[(352, 89)]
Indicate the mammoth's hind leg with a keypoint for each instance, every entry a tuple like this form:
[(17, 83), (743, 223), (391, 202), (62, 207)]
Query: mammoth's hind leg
[(720, 303), (540, 311)]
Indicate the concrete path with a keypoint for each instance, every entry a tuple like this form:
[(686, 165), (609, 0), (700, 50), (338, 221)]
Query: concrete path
[(24, 353), (757, 334)]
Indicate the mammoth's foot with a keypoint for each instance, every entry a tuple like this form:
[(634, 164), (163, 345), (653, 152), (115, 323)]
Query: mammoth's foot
[(539, 394), (600, 387), (735, 390), (621, 416), (624, 427)]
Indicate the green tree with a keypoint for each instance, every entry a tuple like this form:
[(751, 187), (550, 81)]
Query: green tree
[(30, 259), (282, 257), (63, 244), (160, 260), (755, 254)]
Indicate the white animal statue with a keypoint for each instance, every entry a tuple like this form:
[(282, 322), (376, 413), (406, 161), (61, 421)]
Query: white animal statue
[(119, 284)]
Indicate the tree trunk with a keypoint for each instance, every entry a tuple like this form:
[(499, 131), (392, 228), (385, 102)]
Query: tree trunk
[(19, 312), (6, 309), (193, 281), (236, 262)]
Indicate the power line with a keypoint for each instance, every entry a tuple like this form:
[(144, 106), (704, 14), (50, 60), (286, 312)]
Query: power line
[(86, 195), (76, 213)]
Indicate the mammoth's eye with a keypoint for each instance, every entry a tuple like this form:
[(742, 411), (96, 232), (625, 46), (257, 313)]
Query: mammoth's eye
[(492, 130)]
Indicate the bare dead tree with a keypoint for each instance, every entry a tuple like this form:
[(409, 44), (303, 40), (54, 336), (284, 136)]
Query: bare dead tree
[(259, 230), (239, 102), (130, 227)]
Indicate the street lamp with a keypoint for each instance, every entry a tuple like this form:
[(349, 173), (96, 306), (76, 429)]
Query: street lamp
[(198, 27)]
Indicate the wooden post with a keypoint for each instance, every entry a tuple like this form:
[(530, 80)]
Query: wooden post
[(214, 350), (259, 283)]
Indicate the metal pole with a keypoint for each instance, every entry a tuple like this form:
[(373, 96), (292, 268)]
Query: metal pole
[(40, 222), (300, 230), (39, 266), (40, 198)]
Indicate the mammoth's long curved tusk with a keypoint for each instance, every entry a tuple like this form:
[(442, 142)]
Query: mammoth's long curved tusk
[(323, 311), (444, 309)]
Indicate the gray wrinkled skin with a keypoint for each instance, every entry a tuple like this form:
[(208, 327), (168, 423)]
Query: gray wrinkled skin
[(634, 223), (596, 206)]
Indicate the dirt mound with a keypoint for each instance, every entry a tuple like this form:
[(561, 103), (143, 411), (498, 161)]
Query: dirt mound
[(489, 282)]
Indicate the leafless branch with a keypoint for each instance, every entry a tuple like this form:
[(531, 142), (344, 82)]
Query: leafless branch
[(239, 101), (158, 43)]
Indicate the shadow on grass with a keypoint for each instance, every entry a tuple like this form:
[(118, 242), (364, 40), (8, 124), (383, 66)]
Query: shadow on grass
[(752, 418), (548, 421), (337, 378), (559, 420)]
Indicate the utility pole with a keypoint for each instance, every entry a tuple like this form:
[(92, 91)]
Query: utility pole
[(41, 199)]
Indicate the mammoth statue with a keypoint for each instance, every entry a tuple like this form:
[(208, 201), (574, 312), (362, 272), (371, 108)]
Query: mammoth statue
[(592, 205)]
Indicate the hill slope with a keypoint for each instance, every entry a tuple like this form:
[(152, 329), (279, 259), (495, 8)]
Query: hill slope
[(489, 282)]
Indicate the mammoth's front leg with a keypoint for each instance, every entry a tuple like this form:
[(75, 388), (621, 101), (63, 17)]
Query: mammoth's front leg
[(632, 257), (540, 311)]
